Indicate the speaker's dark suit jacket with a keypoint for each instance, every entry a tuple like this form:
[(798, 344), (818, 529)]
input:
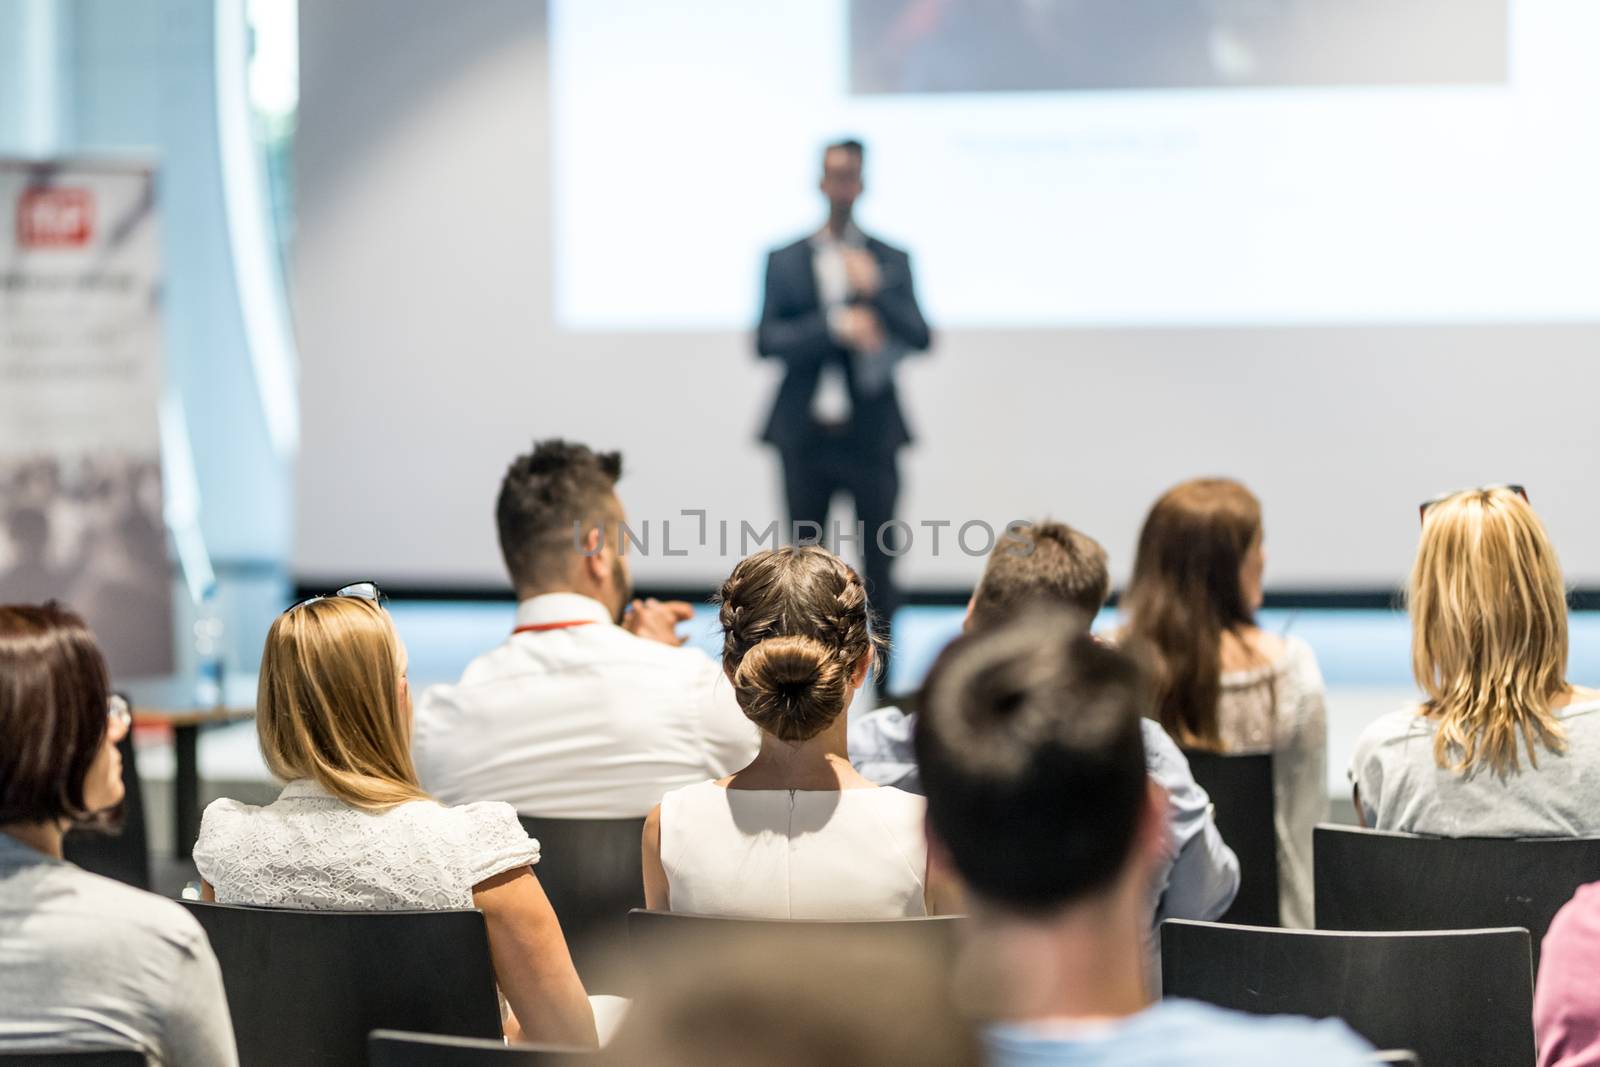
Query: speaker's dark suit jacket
[(794, 328)]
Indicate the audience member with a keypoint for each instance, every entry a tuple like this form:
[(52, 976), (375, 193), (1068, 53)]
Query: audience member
[(1050, 563), (783, 1002), (1566, 999), (85, 962), (1221, 682), (354, 830), (587, 711), (1039, 798), (1503, 745), (796, 834)]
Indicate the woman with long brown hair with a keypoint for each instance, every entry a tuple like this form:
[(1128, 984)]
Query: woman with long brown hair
[(353, 829), (1502, 745), (1222, 683)]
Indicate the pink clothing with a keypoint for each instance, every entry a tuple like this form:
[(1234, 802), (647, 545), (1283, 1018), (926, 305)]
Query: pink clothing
[(1566, 1002)]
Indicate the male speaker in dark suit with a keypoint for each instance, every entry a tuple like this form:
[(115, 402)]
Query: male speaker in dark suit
[(840, 312)]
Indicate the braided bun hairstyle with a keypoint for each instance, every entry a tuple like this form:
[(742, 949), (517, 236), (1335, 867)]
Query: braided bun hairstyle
[(795, 622)]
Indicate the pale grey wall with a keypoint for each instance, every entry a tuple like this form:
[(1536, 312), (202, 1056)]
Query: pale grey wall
[(429, 357)]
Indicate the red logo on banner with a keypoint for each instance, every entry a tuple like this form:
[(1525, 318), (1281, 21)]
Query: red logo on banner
[(55, 218)]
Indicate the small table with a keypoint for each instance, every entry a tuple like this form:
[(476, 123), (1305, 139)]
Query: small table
[(186, 726)]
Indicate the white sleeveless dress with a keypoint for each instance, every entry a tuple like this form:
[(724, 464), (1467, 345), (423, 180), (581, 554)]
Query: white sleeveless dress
[(794, 854)]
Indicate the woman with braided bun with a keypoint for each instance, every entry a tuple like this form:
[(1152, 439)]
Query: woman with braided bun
[(797, 834)]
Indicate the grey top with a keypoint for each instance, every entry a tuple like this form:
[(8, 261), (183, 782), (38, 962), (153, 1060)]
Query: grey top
[(1202, 876), (88, 963), (1403, 788)]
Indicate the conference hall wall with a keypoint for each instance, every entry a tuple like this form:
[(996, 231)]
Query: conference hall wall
[(1316, 247)]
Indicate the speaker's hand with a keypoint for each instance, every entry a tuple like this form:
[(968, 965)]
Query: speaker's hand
[(858, 328), (862, 273)]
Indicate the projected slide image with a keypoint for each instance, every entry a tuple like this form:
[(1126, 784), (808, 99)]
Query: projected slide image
[(929, 46), (1232, 162)]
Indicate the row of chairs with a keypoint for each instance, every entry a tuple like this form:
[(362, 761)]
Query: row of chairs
[(1376, 880), (1366, 881), (312, 987)]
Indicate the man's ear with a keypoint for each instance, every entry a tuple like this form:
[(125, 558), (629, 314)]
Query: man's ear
[(966, 620), (596, 564)]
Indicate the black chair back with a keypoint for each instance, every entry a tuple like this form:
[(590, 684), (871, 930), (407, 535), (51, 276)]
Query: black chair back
[(1457, 997), (1375, 880), (74, 1058), (593, 873), (309, 986), (399, 1048), (123, 854), (1240, 788), (649, 931)]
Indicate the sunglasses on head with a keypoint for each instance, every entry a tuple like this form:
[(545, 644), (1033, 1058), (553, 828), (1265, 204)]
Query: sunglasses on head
[(359, 590), (1422, 510)]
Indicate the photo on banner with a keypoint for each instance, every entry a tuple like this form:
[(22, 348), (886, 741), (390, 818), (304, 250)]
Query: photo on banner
[(81, 515)]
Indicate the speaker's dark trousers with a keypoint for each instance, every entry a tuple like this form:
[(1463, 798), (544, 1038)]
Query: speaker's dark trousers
[(813, 476)]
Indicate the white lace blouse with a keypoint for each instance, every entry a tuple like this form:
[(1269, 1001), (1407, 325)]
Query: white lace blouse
[(309, 849)]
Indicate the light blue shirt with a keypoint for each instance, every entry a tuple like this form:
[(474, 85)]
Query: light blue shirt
[(1180, 1033), (1203, 875)]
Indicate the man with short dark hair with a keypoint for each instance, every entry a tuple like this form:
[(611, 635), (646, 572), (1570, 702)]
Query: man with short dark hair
[(1032, 755), (591, 708), (839, 311), (1049, 564)]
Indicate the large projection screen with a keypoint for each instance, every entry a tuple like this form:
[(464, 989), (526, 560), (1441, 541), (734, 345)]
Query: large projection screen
[(1351, 276)]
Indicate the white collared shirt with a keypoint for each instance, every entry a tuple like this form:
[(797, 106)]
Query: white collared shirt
[(830, 403), (579, 722)]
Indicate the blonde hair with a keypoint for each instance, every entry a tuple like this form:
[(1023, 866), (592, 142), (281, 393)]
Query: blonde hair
[(1488, 630), (329, 703)]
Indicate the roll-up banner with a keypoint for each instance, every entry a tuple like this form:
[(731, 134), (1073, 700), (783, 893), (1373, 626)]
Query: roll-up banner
[(80, 388)]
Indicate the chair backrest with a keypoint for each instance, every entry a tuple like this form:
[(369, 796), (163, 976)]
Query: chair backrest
[(1240, 788), (933, 937), (401, 1048), (309, 986), (1457, 997), (124, 854), (1375, 880), (593, 873), (120, 1057)]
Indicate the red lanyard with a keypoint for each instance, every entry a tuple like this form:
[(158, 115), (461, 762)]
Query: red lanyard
[(541, 627)]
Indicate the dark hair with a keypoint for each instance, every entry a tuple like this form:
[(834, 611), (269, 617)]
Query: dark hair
[(849, 144), (1043, 562), (1185, 594), (795, 622), (53, 693), (546, 495), (1033, 761)]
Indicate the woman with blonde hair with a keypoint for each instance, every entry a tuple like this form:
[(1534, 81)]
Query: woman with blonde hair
[(353, 830), (1221, 682), (1503, 745), (799, 833)]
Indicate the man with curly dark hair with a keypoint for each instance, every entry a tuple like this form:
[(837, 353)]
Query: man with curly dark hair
[(592, 708)]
